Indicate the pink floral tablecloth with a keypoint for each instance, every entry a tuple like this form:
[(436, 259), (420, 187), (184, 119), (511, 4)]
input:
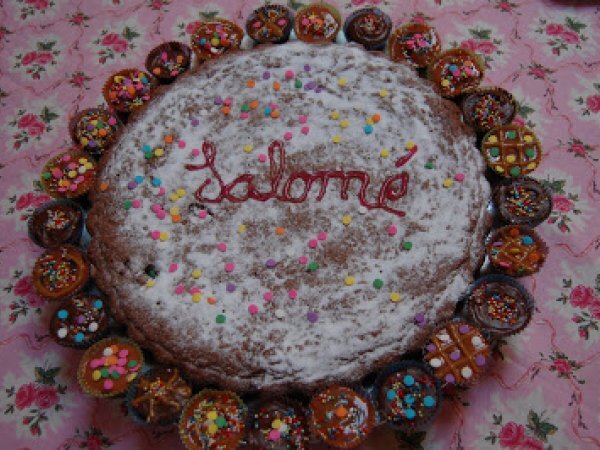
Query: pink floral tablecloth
[(542, 392)]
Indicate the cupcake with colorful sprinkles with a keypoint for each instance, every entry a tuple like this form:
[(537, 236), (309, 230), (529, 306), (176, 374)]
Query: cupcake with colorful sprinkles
[(456, 71), (213, 420), (458, 353), (160, 395), (270, 24), (317, 22), (409, 395), (60, 272), (55, 223), (94, 130), (278, 425), (128, 89), (522, 201), (169, 60), (341, 417), (488, 107), (109, 366), (516, 250), (79, 321), (69, 175), (499, 305), (215, 37), (418, 44)]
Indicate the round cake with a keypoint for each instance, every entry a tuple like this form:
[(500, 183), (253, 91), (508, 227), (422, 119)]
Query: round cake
[(289, 216)]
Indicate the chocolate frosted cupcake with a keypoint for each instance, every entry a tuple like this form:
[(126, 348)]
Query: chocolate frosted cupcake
[(499, 305), (108, 367), (69, 175), (317, 22), (369, 27), (128, 89), (516, 250), (79, 321), (409, 395), (60, 272), (94, 130), (488, 107), (456, 71), (169, 60), (55, 223), (213, 420), (458, 353), (511, 150), (415, 43), (270, 24), (522, 201), (159, 396), (216, 37), (278, 424), (341, 417)]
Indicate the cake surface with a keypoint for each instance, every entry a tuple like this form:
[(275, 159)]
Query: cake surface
[(307, 245)]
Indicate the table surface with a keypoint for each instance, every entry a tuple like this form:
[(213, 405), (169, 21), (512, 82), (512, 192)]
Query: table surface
[(542, 390)]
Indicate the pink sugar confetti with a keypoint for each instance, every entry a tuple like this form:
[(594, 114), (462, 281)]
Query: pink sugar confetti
[(289, 74), (305, 22), (274, 435), (107, 385), (202, 213), (195, 152), (222, 246), (459, 177), (123, 353), (268, 296), (179, 290), (229, 267), (287, 135), (228, 101), (305, 130), (73, 187), (155, 234), (195, 290), (292, 293), (136, 203), (156, 208), (244, 115), (322, 236), (181, 144), (173, 267), (161, 191), (262, 158), (302, 119), (313, 243), (253, 309), (122, 361), (392, 230), (303, 259), (161, 215)]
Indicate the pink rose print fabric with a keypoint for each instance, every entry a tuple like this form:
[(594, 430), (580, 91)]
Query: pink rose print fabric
[(542, 389)]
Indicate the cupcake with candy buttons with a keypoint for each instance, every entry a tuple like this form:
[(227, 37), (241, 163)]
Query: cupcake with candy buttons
[(79, 321)]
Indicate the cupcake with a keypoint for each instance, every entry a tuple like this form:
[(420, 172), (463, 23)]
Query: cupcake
[(109, 366), (128, 89), (499, 305), (169, 60), (270, 24), (212, 420), (458, 353), (369, 27), (55, 223), (418, 44), (60, 272), (511, 150), (516, 250), (69, 175), (215, 37), (317, 22), (159, 395), (94, 130), (456, 71), (522, 201), (279, 425), (408, 396), (79, 321), (341, 417), (488, 107)]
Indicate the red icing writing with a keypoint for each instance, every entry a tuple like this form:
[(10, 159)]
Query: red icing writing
[(393, 188)]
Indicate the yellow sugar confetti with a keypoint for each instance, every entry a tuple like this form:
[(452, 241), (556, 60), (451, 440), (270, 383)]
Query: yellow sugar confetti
[(384, 153), (528, 138), (448, 182), (395, 297), (159, 152), (531, 166), (196, 273), (174, 211), (349, 280), (212, 415), (511, 158), (445, 83), (173, 197), (383, 93), (241, 228), (276, 424), (342, 82), (410, 145), (180, 192), (150, 283), (196, 297), (164, 236), (347, 219), (248, 148), (335, 115), (336, 139), (492, 139), (344, 123)]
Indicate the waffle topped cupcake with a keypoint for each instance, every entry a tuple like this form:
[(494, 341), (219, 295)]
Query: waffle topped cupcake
[(94, 130), (341, 417), (279, 425), (79, 321), (60, 272), (69, 175), (55, 223), (409, 395), (212, 420)]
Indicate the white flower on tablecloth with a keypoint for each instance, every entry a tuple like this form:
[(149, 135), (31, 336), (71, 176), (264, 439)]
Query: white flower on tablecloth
[(485, 40)]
